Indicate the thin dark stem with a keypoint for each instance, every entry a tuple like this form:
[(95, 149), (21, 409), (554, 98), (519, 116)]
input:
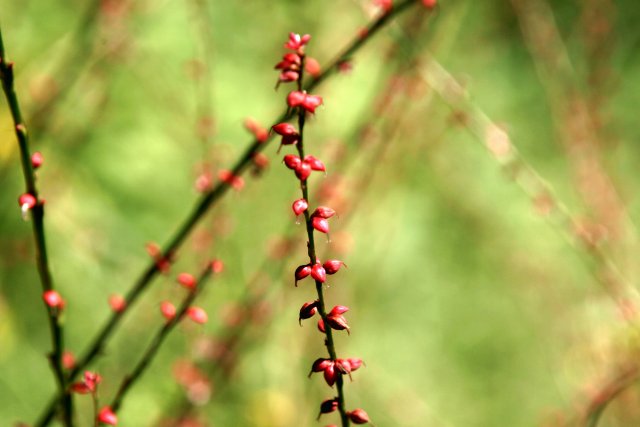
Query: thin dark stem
[(311, 246), (206, 202), (37, 215), (158, 339)]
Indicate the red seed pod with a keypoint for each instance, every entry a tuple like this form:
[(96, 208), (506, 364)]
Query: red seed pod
[(307, 310), (339, 323), (292, 58), (320, 224), (284, 129), (321, 326), (328, 406), (355, 363), (288, 76), (303, 171), (117, 303), (107, 416), (318, 273), (320, 365), (297, 42), (332, 266), (187, 280), (330, 375), (429, 4), (217, 266), (358, 416), (323, 212), (296, 98), (36, 160), (343, 366), (80, 388), (338, 310), (299, 206), (198, 315), (292, 161), (68, 360), (316, 164), (53, 299), (311, 102), (302, 272), (168, 310)]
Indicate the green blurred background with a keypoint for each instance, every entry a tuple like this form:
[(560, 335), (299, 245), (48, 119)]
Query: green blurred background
[(479, 295)]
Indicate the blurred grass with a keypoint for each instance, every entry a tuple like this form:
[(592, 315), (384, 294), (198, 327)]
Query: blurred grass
[(467, 306)]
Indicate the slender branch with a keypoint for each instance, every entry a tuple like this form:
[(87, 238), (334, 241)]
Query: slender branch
[(207, 201), (608, 393), (156, 343), (37, 214)]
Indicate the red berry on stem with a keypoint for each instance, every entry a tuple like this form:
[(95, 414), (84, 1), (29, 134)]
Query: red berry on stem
[(318, 273), (358, 416), (187, 280), (320, 224), (292, 161), (328, 406), (302, 272), (53, 299), (296, 98), (117, 303), (168, 310), (320, 365), (315, 163), (36, 160), (332, 266), (27, 201), (330, 375), (307, 310), (299, 206), (107, 416), (198, 315), (303, 171), (323, 212), (217, 266)]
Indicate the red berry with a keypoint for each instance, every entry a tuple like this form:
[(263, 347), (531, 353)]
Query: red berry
[(339, 309), (68, 360), (27, 201), (217, 266), (355, 363), (296, 98), (321, 326), (168, 310), (343, 366), (358, 416), (303, 171), (299, 206), (332, 266), (187, 280), (292, 161), (429, 4), (53, 299), (323, 212), (312, 66), (307, 310), (284, 129), (315, 163), (302, 272), (320, 365), (318, 273), (311, 102), (288, 76), (320, 224), (198, 315), (117, 303), (107, 416), (36, 160), (330, 375)]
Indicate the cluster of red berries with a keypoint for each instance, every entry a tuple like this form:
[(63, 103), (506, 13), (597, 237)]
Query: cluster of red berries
[(333, 368)]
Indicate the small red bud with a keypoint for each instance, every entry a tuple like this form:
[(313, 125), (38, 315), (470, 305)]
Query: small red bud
[(37, 159), (68, 360), (338, 310), (339, 323), (330, 375), (299, 206), (117, 303), (320, 224), (107, 416), (292, 161), (303, 171), (291, 57), (217, 266), (187, 280), (320, 365), (332, 266), (296, 98), (302, 272), (198, 315), (358, 416), (323, 212), (321, 326), (168, 310), (328, 406), (80, 388), (288, 76), (311, 102), (343, 366), (429, 4), (53, 299), (284, 129), (27, 201), (307, 310), (318, 273), (312, 66), (315, 163), (355, 363)]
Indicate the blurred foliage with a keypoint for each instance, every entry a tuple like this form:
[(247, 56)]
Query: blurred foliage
[(469, 306)]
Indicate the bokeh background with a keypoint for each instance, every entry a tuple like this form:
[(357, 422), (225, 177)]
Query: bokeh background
[(482, 158)]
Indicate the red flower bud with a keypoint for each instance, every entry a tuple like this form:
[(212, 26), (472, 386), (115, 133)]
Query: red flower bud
[(292, 161), (27, 201), (307, 310), (318, 273), (311, 102), (330, 375), (320, 365), (292, 58), (355, 363), (323, 212), (36, 160), (217, 266), (312, 66), (296, 98), (299, 206), (68, 360), (297, 42), (343, 366), (315, 163), (328, 406), (288, 76), (303, 171), (332, 266), (358, 416), (302, 272), (321, 326), (338, 310), (53, 299), (336, 320), (284, 129), (198, 315), (320, 224), (107, 416), (429, 4), (187, 280), (168, 310), (117, 303)]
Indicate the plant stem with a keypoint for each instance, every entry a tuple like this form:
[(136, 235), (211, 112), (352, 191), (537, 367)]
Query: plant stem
[(37, 215), (157, 341), (208, 200)]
